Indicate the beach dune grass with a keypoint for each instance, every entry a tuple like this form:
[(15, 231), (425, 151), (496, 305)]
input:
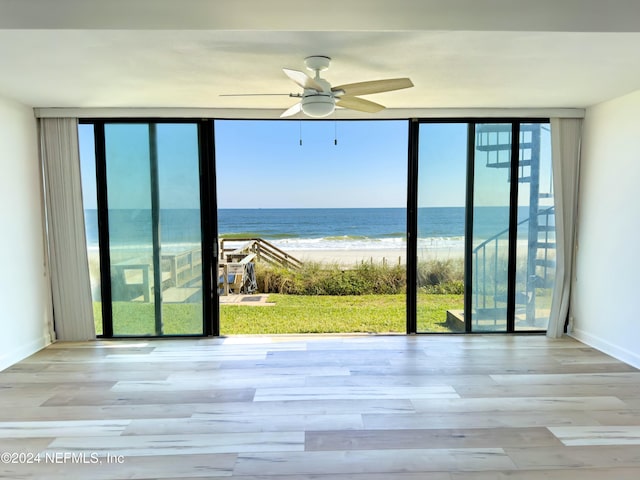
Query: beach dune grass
[(292, 314), (317, 278)]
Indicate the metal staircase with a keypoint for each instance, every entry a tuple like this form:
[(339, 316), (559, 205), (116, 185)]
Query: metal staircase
[(490, 298)]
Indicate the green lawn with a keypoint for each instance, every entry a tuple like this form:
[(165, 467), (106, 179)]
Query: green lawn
[(293, 314)]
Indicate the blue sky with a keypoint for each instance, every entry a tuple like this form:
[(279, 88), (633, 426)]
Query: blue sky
[(442, 169), (261, 164)]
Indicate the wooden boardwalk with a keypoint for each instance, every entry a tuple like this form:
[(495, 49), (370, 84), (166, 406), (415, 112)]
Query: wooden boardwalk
[(255, 300)]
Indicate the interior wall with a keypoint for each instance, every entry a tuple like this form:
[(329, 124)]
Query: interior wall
[(605, 311), (24, 292)]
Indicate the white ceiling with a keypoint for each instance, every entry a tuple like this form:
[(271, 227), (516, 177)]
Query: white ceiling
[(185, 53)]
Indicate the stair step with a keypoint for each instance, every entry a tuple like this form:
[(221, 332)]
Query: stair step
[(546, 228), (499, 165), (505, 127), (493, 127), (524, 179), (494, 147), (522, 163), (542, 283), (502, 147), (489, 314), (545, 195), (546, 245), (522, 298), (541, 262)]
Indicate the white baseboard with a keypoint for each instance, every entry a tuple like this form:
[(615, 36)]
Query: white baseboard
[(23, 351), (622, 354)]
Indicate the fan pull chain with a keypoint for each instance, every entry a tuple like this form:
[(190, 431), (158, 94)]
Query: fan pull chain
[(335, 132), (300, 124)]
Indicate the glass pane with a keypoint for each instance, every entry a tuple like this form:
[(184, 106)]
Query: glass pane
[(490, 254), (331, 194), (143, 161), (441, 226), (535, 274), (130, 228), (180, 232), (86, 142)]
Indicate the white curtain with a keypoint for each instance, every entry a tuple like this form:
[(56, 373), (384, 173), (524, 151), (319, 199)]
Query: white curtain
[(71, 288), (565, 146)]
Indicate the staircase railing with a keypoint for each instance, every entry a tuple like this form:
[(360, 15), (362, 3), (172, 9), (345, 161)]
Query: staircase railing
[(487, 266), (263, 250)]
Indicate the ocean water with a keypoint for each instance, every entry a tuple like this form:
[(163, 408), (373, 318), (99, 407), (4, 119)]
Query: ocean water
[(318, 228), (304, 229)]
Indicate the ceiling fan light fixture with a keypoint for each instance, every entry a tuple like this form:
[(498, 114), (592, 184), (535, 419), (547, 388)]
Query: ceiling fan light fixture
[(318, 106), (319, 98)]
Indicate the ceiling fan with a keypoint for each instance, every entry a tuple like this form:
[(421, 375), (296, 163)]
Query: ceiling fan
[(319, 98)]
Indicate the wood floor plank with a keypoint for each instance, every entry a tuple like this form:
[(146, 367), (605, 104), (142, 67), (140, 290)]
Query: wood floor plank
[(600, 435), (199, 424), (624, 473), (615, 378), (101, 412), (534, 390), (476, 419), (208, 382), (266, 370), (523, 404), (207, 466), (174, 444), (353, 393), (429, 438), (58, 428), (576, 457), (630, 417), (153, 398), (23, 445), (373, 461), (392, 381), (347, 476), (308, 407)]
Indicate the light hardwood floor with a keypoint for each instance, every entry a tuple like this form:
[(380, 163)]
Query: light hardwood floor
[(322, 407)]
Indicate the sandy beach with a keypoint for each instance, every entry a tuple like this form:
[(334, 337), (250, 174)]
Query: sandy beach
[(390, 256), (351, 257)]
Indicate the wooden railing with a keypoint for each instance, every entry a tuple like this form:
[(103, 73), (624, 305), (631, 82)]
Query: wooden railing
[(133, 278), (264, 251), (237, 276)]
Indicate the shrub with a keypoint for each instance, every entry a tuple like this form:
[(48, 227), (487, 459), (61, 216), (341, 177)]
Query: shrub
[(433, 273), (322, 279), (434, 276), (449, 288)]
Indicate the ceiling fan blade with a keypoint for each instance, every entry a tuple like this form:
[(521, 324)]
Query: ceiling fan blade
[(254, 94), (302, 79), (360, 104), (297, 108), (374, 86)]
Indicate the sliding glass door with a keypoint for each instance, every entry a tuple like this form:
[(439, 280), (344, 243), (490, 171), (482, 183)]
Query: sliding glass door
[(442, 180), (536, 244), (491, 220), (484, 226), (154, 228)]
